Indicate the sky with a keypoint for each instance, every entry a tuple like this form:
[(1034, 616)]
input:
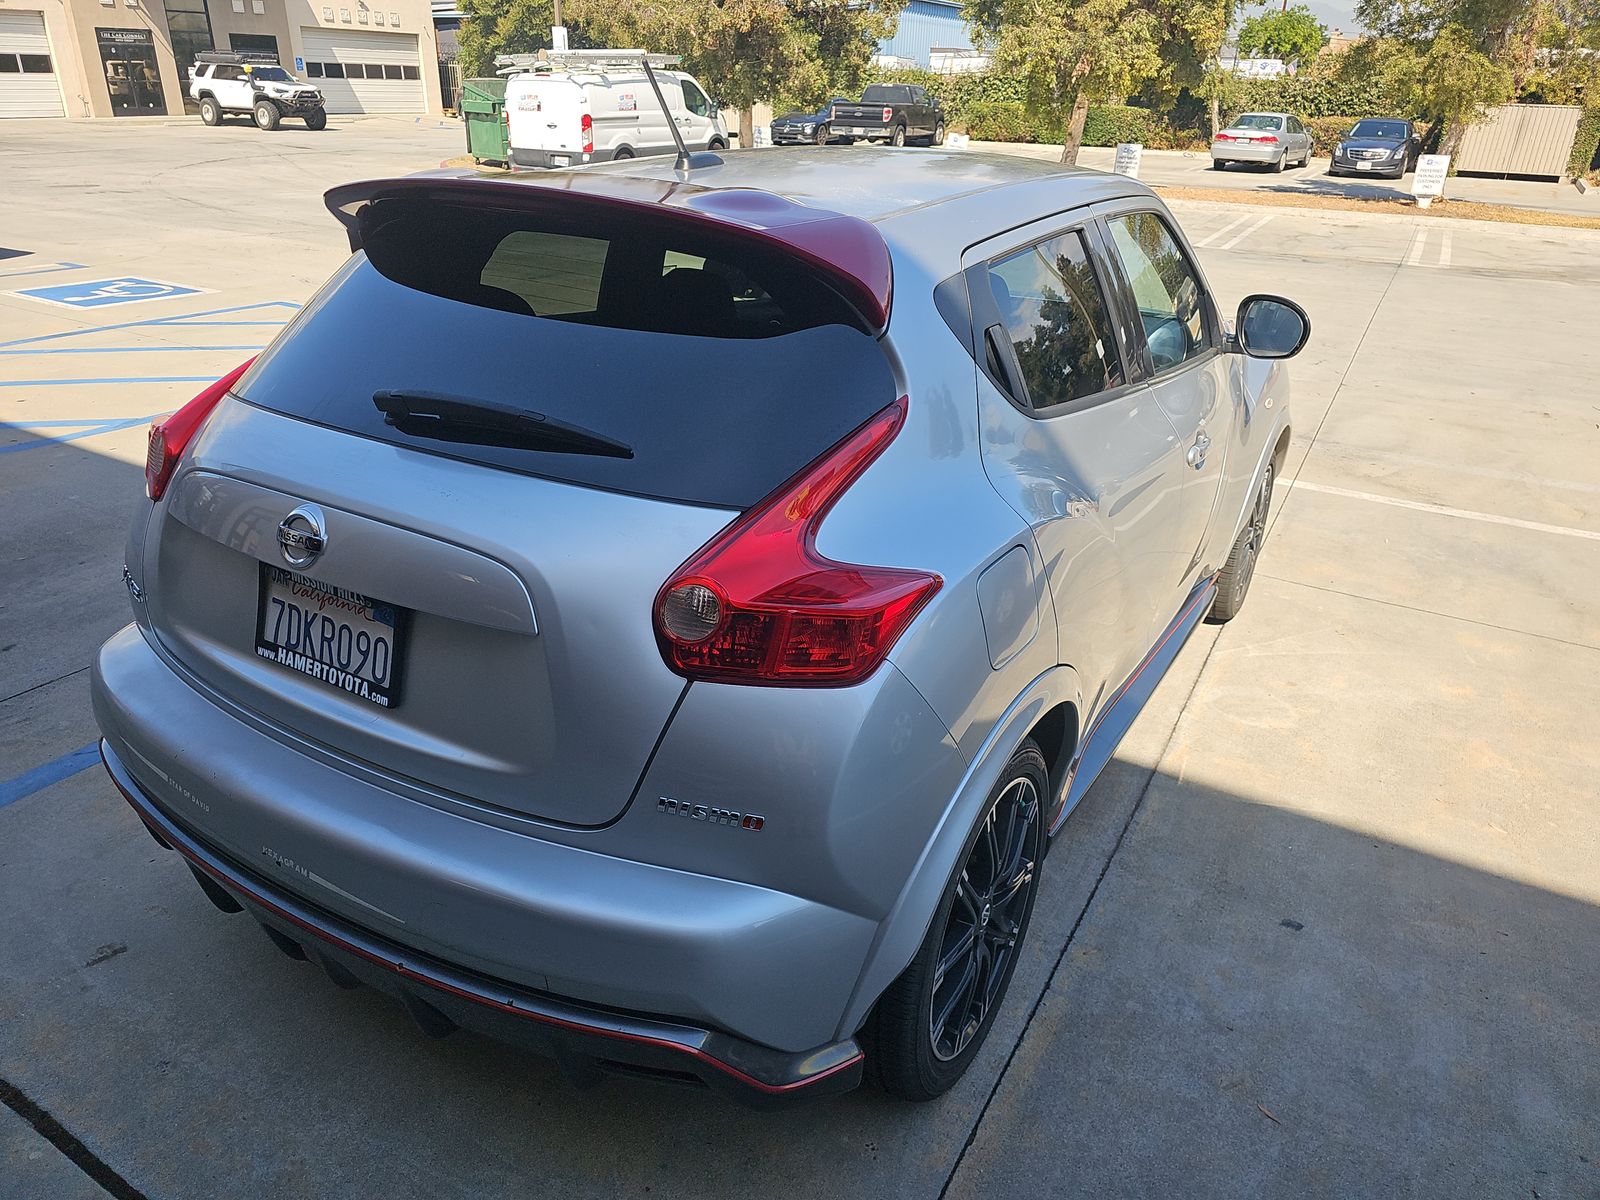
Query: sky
[(1335, 14)]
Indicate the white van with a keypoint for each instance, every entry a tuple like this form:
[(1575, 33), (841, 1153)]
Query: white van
[(592, 106)]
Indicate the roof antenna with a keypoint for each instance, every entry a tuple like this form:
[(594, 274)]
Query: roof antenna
[(682, 164)]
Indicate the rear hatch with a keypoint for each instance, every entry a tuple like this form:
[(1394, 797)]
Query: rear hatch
[(545, 113), (427, 530)]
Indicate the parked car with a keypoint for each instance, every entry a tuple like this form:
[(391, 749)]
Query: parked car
[(1385, 146), (891, 112), (224, 83), (797, 128), (1273, 140), (586, 106), (701, 710)]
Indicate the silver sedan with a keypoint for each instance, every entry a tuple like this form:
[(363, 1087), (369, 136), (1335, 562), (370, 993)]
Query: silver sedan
[(1273, 140)]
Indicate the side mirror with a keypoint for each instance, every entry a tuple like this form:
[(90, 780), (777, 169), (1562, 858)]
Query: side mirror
[(1270, 327)]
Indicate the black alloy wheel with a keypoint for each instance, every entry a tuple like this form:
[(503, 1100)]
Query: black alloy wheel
[(929, 1024), (993, 895)]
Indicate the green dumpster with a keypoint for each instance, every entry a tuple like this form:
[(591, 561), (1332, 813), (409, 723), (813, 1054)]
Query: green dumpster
[(483, 109)]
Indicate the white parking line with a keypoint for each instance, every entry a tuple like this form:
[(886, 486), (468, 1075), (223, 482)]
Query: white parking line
[(1444, 249), (1224, 231), (1418, 242), (1444, 511), (1229, 245)]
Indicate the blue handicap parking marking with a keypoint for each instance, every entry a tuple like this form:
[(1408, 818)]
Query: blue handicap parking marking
[(100, 293)]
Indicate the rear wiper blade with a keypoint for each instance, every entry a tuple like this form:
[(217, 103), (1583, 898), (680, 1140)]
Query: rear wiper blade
[(483, 423)]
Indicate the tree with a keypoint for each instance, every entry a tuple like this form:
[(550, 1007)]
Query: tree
[(1457, 83), (747, 51), (1069, 51), (1292, 34), (494, 27)]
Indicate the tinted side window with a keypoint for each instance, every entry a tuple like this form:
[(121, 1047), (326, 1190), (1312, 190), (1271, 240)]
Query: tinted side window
[(1055, 316), (1165, 288), (695, 100)]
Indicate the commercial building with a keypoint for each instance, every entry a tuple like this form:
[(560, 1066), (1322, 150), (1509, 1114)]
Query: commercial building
[(119, 58), (932, 35)]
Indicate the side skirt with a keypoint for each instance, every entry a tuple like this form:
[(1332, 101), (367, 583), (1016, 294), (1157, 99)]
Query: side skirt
[(1117, 717)]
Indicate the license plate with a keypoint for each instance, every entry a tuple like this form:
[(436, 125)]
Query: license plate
[(1363, 166), (851, 129), (560, 160), (345, 639)]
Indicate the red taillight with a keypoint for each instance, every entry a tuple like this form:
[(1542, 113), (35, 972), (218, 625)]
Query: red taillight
[(1223, 137), (888, 115), (1271, 137), (758, 605), (169, 438), (587, 125)]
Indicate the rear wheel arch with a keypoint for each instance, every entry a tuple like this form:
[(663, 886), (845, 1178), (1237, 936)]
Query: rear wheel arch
[(1047, 707)]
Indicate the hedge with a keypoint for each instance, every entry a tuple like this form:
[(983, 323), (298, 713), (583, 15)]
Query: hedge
[(1586, 146)]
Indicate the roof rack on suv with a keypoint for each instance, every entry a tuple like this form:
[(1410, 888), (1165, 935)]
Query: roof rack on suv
[(236, 57), (594, 60)]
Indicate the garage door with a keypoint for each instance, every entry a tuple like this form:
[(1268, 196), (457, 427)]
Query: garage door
[(28, 86), (364, 72)]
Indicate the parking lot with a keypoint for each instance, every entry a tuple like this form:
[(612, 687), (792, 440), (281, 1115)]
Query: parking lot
[(1327, 925)]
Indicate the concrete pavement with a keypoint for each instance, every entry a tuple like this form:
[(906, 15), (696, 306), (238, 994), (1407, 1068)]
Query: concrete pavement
[(1325, 926)]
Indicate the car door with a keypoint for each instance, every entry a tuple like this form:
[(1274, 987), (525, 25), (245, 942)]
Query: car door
[(919, 118), (1180, 347), (1072, 439), (696, 119)]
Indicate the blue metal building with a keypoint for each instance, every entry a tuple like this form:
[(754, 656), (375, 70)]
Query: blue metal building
[(925, 24)]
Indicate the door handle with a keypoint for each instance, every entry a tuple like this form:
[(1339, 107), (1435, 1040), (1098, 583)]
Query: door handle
[(1196, 457)]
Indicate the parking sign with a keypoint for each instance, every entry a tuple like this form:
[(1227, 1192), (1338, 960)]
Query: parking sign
[(101, 293)]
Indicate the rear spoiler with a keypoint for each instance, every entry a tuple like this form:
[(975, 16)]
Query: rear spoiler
[(846, 251)]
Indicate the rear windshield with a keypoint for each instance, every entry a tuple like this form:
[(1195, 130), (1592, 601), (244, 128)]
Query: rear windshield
[(884, 93), (1258, 121), (722, 368)]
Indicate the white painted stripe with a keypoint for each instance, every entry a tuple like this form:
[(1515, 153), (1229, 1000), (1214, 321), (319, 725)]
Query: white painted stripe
[(1445, 511), (1417, 243), (1224, 231), (1245, 233), (1444, 249)]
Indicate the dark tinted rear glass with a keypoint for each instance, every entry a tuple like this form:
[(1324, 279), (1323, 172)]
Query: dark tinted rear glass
[(885, 93), (725, 370)]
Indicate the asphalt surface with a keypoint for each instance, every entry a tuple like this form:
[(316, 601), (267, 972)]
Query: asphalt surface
[(1327, 925)]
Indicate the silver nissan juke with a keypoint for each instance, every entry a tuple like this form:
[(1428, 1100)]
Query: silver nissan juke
[(661, 616)]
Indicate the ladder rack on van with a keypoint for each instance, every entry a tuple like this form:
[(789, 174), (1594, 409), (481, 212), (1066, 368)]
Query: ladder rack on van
[(581, 60)]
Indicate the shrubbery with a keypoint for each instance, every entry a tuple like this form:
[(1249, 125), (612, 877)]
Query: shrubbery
[(1586, 148), (990, 107)]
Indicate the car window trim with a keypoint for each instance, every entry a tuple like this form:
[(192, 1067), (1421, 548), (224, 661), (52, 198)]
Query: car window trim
[(1112, 209), (984, 314)]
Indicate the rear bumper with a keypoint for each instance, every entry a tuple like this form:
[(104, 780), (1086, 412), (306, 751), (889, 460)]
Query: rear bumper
[(1226, 152), (493, 896), (587, 1041)]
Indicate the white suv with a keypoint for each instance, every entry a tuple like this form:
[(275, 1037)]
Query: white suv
[(224, 82)]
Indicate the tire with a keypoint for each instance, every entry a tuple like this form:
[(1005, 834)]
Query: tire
[(898, 137), (910, 1051), (623, 153), (1218, 165), (210, 111), (1279, 163), (938, 134), (1233, 581), (820, 138), (716, 144), (317, 118), (266, 115)]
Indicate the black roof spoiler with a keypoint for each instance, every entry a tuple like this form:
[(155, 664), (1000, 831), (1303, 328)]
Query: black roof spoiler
[(846, 251)]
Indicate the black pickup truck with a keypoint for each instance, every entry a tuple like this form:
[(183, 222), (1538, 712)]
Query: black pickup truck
[(896, 113)]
